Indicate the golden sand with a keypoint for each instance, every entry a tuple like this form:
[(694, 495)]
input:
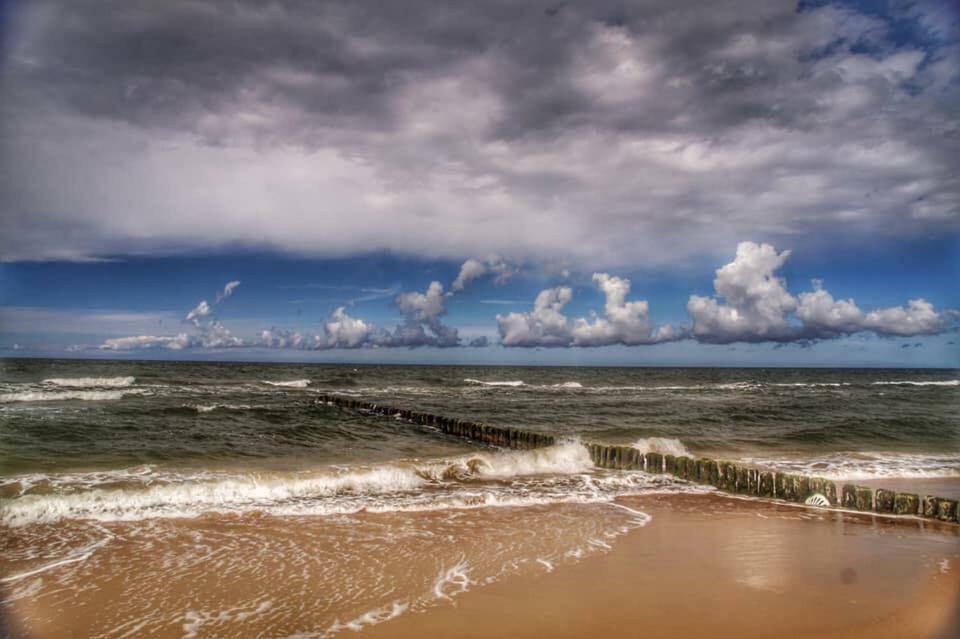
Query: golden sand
[(706, 565), (711, 566)]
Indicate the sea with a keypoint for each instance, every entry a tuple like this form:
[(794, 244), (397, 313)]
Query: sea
[(203, 498)]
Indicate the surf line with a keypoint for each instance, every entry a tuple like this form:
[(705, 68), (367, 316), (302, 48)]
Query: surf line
[(723, 475)]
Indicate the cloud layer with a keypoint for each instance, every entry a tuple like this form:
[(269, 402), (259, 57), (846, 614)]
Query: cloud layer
[(591, 133), (421, 325), (751, 303)]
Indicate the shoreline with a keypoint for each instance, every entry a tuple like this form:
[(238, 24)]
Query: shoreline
[(727, 567), (672, 564)]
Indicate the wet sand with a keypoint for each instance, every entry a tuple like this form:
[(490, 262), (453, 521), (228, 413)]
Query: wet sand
[(705, 565), (720, 567)]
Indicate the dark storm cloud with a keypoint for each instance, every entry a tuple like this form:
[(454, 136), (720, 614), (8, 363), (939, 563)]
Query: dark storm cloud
[(605, 131), (340, 64)]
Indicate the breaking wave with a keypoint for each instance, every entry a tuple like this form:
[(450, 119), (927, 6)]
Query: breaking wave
[(949, 382), (866, 465), (558, 474), (662, 445), (87, 382), (483, 383), (296, 383), (209, 408), (53, 396)]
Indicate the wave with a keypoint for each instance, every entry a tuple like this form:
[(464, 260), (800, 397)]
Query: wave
[(949, 382), (296, 383), (190, 498), (517, 383), (86, 382), (662, 445), (558, 474), (53, 396), (483, 383), (811, 384), (562, 459), (209, 408), (866, 465)]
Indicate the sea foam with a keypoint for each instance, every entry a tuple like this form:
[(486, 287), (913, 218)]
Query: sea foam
[(866, 465), (87, 382), (483, 383), (557, 474), (662, 445), (907, 382), (52, 396), (296, 383)]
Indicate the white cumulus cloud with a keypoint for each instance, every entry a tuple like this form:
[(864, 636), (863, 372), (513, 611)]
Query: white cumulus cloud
[(756, 302), (624, 322), (210, 332), (752, 304)]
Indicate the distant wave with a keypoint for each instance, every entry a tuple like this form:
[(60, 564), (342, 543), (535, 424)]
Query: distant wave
[(811, 384), (53, 396), (296, 383), (86, 382), (949, 382), (866, 465), (662, 445), (517, 383), (483, 383), (209, 408)]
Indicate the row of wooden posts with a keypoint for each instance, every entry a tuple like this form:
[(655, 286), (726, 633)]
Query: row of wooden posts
[(724, 475)]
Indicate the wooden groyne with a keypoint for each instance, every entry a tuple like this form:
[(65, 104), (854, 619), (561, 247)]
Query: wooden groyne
[(724, 475)]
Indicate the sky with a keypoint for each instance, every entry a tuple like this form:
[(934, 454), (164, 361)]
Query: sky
[(650, 182)]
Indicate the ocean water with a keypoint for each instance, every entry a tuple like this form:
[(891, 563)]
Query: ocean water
[(235, 471)]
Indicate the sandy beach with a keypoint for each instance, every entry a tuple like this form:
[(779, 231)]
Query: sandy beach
[(672, 565), (723, 567)]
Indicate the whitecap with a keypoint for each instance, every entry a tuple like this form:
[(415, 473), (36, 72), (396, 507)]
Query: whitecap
[(86, 382), (53, 396), (662, 445), (296, 383), (848, 466), (907, 382), (209, 408), (483, 383)]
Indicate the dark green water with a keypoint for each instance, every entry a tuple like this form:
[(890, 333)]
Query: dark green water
[(114, 440), (209, 414)]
